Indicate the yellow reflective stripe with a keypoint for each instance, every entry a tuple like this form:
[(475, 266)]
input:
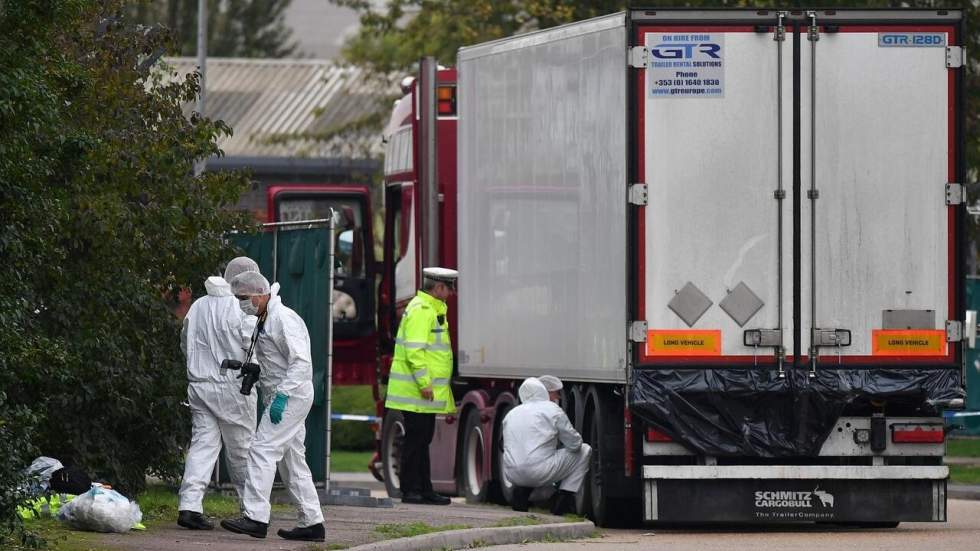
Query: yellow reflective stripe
[(411, 344), (417, 402), (422, 345), (409, 378)]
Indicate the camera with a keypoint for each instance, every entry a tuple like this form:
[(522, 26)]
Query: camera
[(249, 376), (249, 373)]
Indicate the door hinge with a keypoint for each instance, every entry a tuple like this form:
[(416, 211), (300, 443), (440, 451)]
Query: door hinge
[(831, 337), (955, 57), (955, 194), (638, 194), (638, 331), (954, 331), (638, 57), (762, 337)]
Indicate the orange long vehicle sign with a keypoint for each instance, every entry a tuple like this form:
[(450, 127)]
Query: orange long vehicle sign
[(908, 342), (683, 342)]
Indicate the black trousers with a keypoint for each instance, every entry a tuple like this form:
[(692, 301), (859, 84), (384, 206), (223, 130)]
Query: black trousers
[(416, 474)]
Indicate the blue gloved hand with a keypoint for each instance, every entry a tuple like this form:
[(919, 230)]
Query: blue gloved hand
[(277, 408)]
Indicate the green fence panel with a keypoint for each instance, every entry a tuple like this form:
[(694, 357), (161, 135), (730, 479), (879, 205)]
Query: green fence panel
[(971, 424), (302, 270)]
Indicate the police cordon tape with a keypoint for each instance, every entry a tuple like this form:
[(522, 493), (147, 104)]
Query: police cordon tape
[(351, 417), (950, 414)]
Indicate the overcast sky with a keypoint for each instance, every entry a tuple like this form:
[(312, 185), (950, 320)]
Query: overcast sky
[(319, 27)]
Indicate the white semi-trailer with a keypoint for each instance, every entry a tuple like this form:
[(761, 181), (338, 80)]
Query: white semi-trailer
[(737, 236)]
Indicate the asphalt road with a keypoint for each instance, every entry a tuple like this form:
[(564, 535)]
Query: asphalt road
[(960, 533)]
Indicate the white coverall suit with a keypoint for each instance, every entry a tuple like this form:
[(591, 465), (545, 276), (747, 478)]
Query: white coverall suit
[(283, 352), (532, 431), (215, 329)]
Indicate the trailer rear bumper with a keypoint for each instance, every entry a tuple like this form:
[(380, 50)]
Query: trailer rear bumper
[(794, 493)]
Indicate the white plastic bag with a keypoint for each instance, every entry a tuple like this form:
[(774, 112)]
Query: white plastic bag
[(101, 510), (39, 476)]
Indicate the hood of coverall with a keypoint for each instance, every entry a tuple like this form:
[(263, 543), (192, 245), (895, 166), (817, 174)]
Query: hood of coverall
[(532, 391), (217, 287)]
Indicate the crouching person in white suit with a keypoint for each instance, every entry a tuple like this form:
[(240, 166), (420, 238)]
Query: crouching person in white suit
[(532, 458), (286, 381)]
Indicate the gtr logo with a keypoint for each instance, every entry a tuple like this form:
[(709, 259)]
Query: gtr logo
[(685, 51)]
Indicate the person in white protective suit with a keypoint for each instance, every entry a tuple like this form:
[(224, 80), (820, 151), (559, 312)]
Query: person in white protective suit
[(215, 329), (286, 382), (532, 458)]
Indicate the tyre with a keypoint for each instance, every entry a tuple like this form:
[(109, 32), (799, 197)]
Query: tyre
[(603, 429), (583, 499), (471, 480), (392, 437), (501, 489)]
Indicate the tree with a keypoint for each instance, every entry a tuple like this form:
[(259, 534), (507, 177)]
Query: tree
[(104, 223), (236, 28)]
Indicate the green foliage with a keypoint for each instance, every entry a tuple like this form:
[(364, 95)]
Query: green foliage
[(104, 224), (352, 435), (236, 28)]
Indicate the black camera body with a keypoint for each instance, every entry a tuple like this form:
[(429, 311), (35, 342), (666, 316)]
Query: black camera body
[(249, 373), (249, 376)]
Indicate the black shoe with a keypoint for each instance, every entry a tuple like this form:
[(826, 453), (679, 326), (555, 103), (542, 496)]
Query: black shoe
[(433, 498), (192, 520), (413, 497), (246, 525), (309, 533), (520, 500), (564, 503)]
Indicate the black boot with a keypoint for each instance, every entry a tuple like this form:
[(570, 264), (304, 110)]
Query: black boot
[(433, 498), (192, 520), (520, 500), (564, 503), (246, 525), (308, 533)]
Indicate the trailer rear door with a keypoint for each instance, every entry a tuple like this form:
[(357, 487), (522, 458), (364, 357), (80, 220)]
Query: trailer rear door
[(878, 238), (713, 105), (797, 189)]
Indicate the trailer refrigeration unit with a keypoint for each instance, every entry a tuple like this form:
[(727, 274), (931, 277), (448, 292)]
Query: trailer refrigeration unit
[(736, 235)]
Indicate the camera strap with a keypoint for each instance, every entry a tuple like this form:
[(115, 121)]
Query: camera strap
[(255, 337)]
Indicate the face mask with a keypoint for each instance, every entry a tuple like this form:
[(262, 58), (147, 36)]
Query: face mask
[(247, 307)]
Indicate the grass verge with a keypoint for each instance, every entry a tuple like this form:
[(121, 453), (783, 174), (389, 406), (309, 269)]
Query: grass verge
[(344, 461), (58, 537), (523, 520), (964, 474), (956, 447), (392, 531)]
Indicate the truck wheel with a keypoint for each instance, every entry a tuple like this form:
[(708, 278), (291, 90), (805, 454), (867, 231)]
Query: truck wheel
[(471, 478), (583, 499), (392, 436), (602, 421), (501, 489)]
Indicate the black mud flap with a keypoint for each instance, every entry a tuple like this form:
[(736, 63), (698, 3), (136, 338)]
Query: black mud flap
[(769, 501)]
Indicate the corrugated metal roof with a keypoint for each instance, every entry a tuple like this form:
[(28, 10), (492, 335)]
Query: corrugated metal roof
[(266, 100)]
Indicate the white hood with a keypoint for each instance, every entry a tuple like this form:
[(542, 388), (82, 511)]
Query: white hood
[(533, 391), (217, 287)]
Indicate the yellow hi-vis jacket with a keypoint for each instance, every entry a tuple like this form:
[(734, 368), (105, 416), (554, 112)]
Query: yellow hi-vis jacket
[(423, 357)]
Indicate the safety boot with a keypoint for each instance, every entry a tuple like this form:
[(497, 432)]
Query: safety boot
[(246, 525), (307, 533), (521, 498), (192, 520)]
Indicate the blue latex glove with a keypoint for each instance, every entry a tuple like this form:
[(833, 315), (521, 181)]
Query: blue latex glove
[(277, 408)]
